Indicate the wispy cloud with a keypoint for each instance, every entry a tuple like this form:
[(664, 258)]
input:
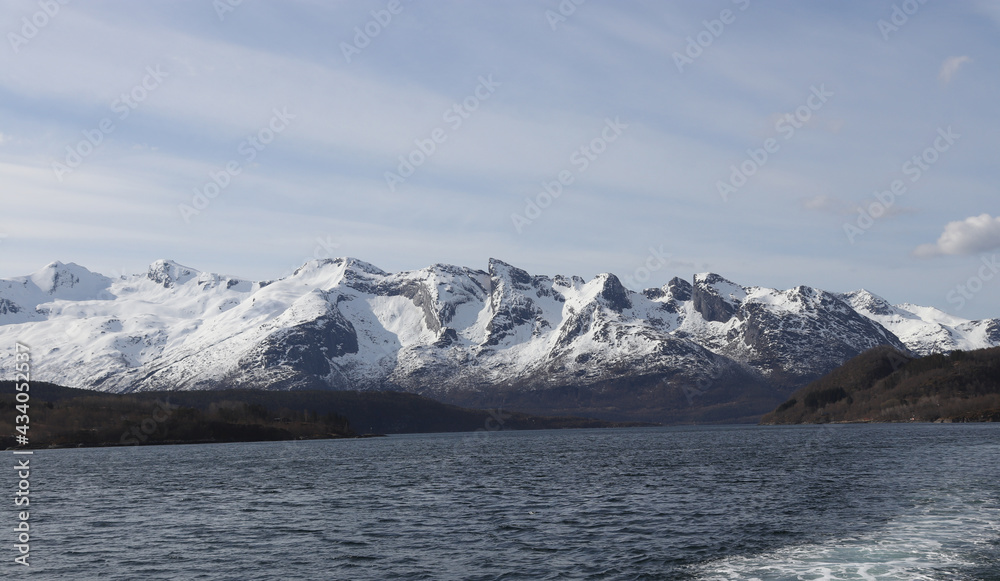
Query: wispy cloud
[(975, 234), (835, 206), (951, 66), (656, 185), (827, 205)]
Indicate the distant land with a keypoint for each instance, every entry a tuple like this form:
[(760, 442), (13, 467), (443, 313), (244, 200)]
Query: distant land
[(886, 385), (698, 351), (64, 416)]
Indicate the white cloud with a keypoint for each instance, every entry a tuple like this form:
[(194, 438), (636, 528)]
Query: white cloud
[(951, 66), (827, 205), (969, 236)]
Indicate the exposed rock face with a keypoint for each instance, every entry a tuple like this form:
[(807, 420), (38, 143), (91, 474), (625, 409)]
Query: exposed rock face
[(168, 273), (679, 289), (716, 298), (510, 301), (8, 307), (816, 330), (992, 328), (614, 295), (308, 347)]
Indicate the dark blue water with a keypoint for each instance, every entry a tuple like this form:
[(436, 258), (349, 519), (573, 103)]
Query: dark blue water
[(814, 502)]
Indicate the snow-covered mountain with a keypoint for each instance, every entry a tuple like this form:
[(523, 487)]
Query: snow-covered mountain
[(926, 330), (552, 343)]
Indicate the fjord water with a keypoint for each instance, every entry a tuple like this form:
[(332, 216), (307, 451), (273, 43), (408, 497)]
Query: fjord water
[(716, 503)]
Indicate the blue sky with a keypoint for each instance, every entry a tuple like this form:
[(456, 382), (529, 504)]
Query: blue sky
[(642, 125)]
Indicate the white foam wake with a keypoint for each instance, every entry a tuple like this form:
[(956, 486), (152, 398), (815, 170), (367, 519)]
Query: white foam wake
[(933, 543)]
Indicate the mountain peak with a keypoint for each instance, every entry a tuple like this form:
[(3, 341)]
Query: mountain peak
[(169, 273), (69, 281), (613, 293), (867, 302), (679, 289), (348, 263), (356, 264), (501, 270), (716, 298)]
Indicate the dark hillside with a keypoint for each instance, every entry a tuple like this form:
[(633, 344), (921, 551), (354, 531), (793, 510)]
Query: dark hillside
[(884, 385), (64, 416)]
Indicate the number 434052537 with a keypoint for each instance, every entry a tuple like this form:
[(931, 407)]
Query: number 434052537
[(22, 366)]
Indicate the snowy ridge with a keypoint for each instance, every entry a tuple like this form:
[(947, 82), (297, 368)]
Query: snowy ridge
[(56, 283), (346, 324), (925, 330)]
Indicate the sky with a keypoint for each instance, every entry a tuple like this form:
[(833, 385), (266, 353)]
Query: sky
[(840, 145)]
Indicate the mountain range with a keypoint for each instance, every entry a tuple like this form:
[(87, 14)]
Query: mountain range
[(708, 350)]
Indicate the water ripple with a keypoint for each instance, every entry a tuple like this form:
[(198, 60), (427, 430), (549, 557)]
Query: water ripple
[(723, 503)]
